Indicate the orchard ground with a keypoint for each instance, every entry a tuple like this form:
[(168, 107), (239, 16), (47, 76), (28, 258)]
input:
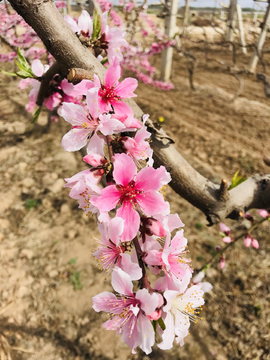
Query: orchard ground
[(48, 275)]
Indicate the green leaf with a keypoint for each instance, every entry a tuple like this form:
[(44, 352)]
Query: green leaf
[(72, 261), (237, 180), (23, 61), (154, 324), (75, 280), (161, 324), (24, 74), (31, 203), (104, 60), (222, 234), (96, 25), (8, 73), (36, 115)]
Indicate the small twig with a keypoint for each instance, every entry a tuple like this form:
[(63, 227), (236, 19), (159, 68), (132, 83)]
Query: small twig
[(45, 82), (75, 75), (223, 190), (109, 144), (144, 283), (22, 350), (5, 308), (219, 253)]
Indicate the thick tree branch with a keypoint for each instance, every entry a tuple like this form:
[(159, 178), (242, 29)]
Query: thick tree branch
[(64, 45)]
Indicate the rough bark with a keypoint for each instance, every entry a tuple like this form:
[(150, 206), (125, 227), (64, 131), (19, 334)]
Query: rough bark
[(64, 45)]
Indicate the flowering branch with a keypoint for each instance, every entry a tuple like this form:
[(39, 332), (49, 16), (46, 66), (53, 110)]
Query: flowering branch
[(219, 253), (66, 48)]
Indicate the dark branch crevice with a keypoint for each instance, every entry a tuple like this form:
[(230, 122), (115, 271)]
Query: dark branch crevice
[(66, 48)]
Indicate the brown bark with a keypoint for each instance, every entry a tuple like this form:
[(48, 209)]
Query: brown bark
[(64, 45)]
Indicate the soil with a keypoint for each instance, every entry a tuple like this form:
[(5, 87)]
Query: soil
[(47, 274)]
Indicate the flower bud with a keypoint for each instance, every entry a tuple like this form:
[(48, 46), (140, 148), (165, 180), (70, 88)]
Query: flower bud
[(153, 227), (155, 315)]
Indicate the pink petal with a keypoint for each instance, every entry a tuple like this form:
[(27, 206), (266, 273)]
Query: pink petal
[(92, 102), (108, 198), (227, 239), (115, 229), (94, 159), (37, 68), (83, 87), (247, 241), (153, 257), (263, 213), (75, 139), (154, 179), (124, 169), (112, 74), (84, 21), (151, 203), (121, 282), (101, 302), (224, 228), (147, 333), (95, 145), (131, 268), (255, 243), (149, 302), (126, 87), (132, 221), (74, 114), (66, 86), (72, 24), (109, 126), (104, 22)]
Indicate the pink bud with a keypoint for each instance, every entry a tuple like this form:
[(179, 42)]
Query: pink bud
[(94, 159), (217, 248), (222, 262), (155, 315), (247, 241), (227, 239), (248, 216), (154, 226), (263, 213), (255, 243), (224, 228)]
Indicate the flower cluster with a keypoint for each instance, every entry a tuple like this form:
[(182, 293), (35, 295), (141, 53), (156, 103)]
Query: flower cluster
[(134, 218)]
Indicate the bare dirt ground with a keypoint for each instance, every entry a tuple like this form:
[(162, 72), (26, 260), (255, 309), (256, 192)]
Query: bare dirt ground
[(47, 274)]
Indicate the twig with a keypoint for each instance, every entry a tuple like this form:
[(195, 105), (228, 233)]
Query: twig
[(45, 82), (22, 350), (219, 253), (75, 75), (223, 190), (144, 283), (5, 308)]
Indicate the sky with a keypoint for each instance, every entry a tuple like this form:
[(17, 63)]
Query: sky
[(202, 3)]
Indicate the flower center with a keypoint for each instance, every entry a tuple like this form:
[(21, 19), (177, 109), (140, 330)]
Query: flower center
[(108, 94), (128, 193)]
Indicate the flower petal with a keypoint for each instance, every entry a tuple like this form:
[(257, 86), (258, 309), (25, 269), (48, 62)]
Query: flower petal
[(108, 198), (112, 74), (75, 139), (126, 87), (121, 282), (151, 203), (124, 169), (37, 67), (115, 229), (132, 221)]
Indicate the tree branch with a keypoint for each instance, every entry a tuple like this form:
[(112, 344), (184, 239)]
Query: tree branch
[(66, 48), (46, 78)]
